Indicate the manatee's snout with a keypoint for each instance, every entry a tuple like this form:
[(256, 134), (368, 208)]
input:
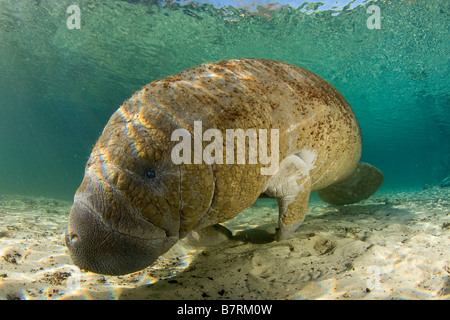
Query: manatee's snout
[(98, 248)]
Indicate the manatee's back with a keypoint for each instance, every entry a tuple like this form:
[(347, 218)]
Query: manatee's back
[(257, 94)]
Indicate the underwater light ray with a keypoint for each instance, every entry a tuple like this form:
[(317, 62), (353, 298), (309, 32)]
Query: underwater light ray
[(188, 86), (101, 174), (133, 120), (139, 102), (165, 110), (128, 117), (237, 74)]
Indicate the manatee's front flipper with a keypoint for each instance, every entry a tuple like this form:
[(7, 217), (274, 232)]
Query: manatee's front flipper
[(209, 236), (291, 186), (360, 185)]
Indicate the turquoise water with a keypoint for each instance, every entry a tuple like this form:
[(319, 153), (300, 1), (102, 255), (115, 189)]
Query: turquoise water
[(59, 86)]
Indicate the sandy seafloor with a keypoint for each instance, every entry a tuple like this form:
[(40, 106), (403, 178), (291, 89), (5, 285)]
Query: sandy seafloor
[(391, 246)]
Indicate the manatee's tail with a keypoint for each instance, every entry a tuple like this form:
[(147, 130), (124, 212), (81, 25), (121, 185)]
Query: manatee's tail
[(360, 185)]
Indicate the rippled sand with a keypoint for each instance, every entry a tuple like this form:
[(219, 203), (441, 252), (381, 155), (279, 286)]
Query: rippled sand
[(392, 246)]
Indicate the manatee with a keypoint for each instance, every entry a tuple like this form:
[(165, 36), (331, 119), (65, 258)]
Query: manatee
[(135, 201)]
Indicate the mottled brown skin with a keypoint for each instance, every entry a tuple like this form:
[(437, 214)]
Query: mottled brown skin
[(122, 220)]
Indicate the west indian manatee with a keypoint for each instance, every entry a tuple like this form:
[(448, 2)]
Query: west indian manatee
[(157, 174)]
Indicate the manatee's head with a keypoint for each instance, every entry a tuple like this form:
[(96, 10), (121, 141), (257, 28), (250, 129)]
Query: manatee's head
[(134, 202)]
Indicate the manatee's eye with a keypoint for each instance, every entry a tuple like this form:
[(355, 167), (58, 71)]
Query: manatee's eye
[(151, 174)]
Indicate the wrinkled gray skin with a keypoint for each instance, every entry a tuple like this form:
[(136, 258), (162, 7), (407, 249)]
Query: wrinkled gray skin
[(135, 253), (134, 203)]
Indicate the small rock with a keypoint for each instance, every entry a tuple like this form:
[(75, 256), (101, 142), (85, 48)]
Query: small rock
[(13, 255)]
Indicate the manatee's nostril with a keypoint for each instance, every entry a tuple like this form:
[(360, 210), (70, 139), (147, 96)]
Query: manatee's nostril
[(72, 239)]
